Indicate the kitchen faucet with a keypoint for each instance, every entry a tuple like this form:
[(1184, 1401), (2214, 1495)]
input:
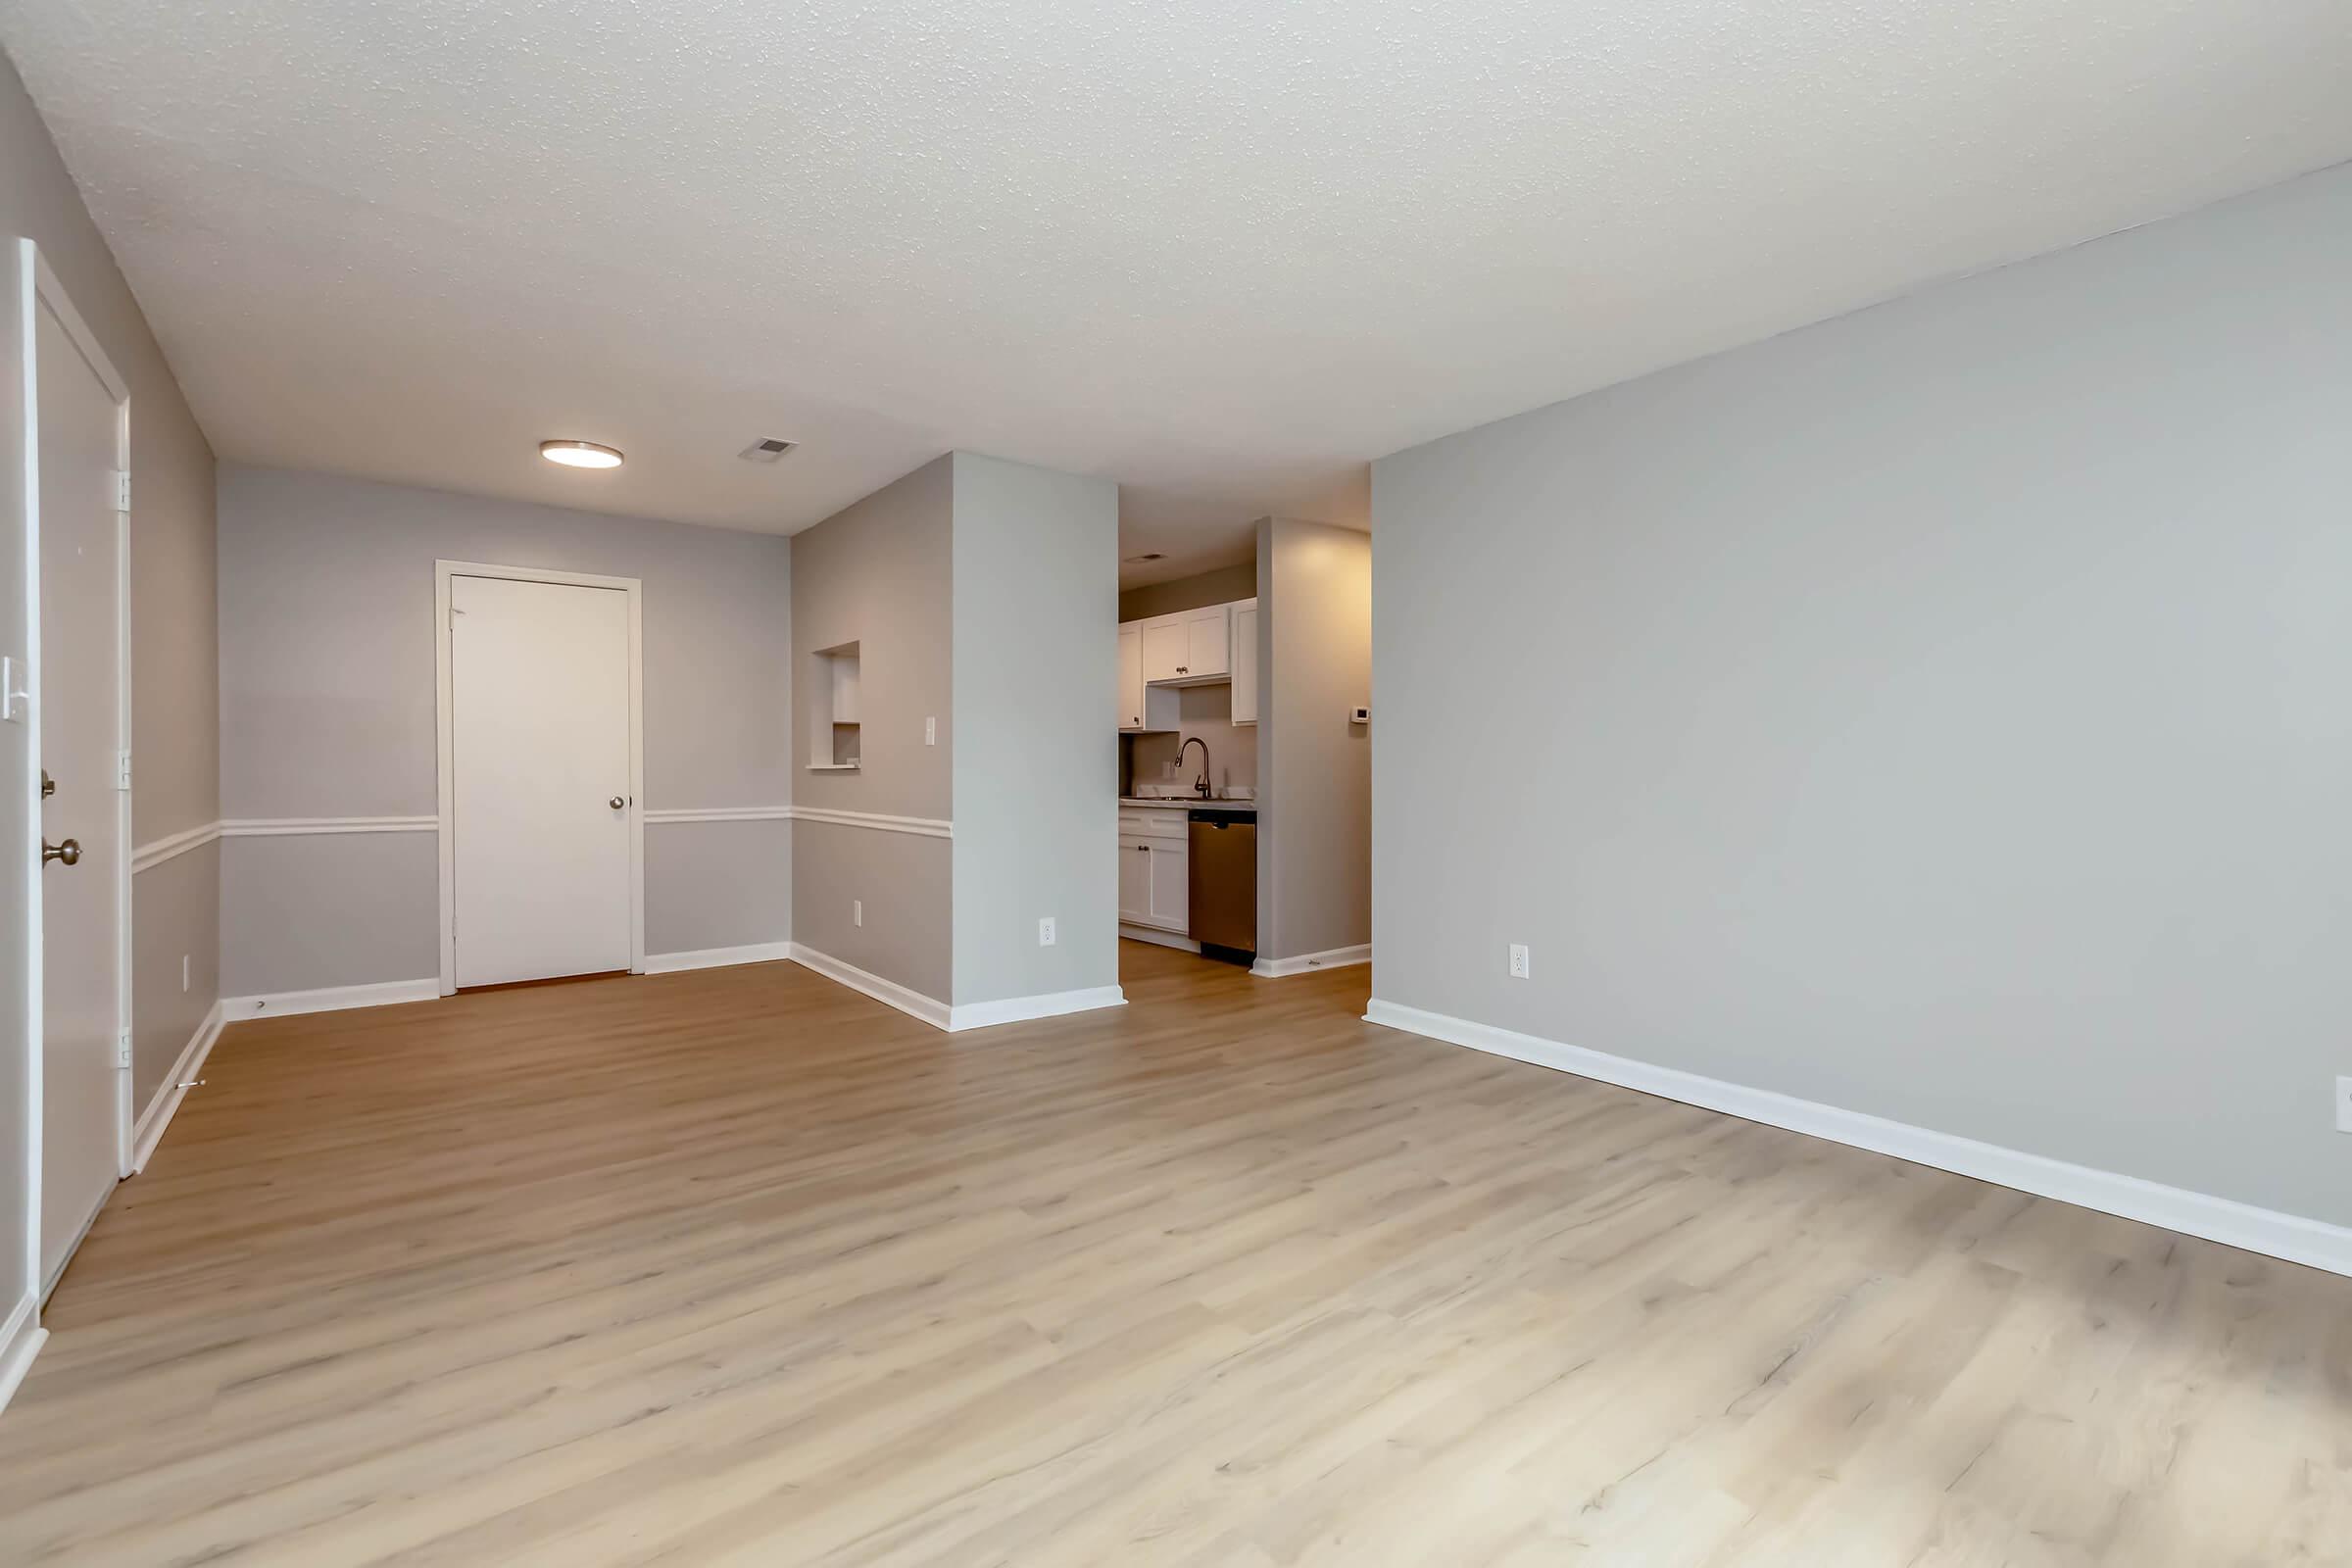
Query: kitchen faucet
[(1200, 783)]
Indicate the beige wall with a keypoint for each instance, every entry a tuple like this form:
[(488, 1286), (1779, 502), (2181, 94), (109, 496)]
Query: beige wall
[(879, 573), (1943, 712), (175, 735), (327, 710), (1219, 587), (1314, 890)]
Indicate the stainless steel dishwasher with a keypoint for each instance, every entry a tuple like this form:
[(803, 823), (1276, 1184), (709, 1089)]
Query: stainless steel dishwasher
[(1222, 882)]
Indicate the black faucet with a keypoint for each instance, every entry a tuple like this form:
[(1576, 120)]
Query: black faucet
[(1200, 783)]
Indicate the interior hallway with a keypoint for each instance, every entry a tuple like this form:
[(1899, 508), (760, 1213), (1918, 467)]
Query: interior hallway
[(739, 1266)]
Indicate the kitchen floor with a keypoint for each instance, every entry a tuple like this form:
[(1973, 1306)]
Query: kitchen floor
[(738, 1266)]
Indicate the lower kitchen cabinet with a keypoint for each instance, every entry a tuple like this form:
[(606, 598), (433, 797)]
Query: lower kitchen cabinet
[(1153, 882)]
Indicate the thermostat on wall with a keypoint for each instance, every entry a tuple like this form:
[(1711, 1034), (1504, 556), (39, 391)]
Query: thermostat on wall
[(1359, 716)]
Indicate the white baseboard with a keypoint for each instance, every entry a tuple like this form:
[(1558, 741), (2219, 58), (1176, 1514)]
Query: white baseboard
[(716, 958), (2290, 1236), (1335, 959), (889, 993), (1165, 938), (19, 1341), (1050, 1005), (333, 998), (149, 1130)]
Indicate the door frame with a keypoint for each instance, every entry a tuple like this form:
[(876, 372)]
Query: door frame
[(39, 286), (445, 763)]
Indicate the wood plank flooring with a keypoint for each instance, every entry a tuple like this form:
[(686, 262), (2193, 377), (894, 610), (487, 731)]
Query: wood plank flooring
[(739, 1267)]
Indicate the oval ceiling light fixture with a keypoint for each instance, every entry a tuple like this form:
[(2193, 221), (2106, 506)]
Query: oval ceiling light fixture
[(580, 454)]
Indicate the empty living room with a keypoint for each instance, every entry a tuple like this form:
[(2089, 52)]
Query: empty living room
[(1211, 786)]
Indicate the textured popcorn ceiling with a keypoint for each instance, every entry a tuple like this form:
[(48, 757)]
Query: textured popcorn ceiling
[(1224, 251)]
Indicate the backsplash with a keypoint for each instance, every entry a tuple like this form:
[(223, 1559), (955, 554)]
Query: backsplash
[(1205, 712)]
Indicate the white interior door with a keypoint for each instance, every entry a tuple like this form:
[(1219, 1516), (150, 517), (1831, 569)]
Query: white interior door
[(80, 717), (540, 770)]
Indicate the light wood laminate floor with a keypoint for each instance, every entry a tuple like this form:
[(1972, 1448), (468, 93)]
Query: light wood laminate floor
[(739, 1267)]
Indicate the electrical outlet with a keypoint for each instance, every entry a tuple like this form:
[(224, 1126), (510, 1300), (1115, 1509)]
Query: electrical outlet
[(857, 912), (2343, 1105), (183, 974), (1045, 932), (1518, 960), (930, 732)]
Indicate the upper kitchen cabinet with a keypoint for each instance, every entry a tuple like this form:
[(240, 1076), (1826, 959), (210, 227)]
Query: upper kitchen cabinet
[(1142, 706), (1189, 647), (1245, 661)]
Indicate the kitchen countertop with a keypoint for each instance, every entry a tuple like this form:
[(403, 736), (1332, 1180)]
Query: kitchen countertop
[(1186, 802)]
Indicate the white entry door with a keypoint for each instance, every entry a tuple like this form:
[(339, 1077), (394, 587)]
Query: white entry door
[(80, 716), (543, 804)]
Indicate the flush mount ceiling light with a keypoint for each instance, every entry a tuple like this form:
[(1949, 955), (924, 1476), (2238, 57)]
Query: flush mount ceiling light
[(580, 454)]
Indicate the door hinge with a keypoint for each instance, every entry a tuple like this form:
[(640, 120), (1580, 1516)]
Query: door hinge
[(122, 490), (122, 1049), (122, 770)]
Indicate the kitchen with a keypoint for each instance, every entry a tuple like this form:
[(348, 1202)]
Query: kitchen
[(1188, 768), (1226, 847)]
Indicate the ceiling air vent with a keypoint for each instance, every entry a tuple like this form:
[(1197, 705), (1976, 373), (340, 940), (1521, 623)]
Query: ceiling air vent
[(770, 450)]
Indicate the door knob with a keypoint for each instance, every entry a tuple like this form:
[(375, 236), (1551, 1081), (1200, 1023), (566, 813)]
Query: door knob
[(68, 851), (616, 802)]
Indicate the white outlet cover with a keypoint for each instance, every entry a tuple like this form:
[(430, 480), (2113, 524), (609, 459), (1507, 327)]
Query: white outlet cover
[(857, 912), (1519, 965), (930, 732), (2343, 1105), (1045, 932)]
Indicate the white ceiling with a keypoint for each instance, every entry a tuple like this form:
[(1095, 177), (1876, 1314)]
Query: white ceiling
[(1222, 250)]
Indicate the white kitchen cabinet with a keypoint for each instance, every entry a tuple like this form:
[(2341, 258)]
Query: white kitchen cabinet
[(1188, 648), (1171, 885), (1131, 676), (1167, 644), (1154, 876), (1135, 881), (1245, 661), (1208, 642), (1141, 707)]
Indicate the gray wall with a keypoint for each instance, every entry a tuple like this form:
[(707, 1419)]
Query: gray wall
[(1314, 767), (174, 740), (1036, 771), (1940, 713), (878, 574), (326, 711), (1219, 587)]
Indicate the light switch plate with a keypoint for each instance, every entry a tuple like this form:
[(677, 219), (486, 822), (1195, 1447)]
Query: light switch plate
[(931, 732), (15, 701), (2343, 1105), (857, 912)]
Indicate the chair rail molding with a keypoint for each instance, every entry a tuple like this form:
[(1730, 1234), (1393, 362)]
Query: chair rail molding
[(174, 845)]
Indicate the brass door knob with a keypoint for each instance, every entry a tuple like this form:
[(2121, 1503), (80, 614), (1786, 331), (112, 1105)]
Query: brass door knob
[(616, 802), (68, 851)]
